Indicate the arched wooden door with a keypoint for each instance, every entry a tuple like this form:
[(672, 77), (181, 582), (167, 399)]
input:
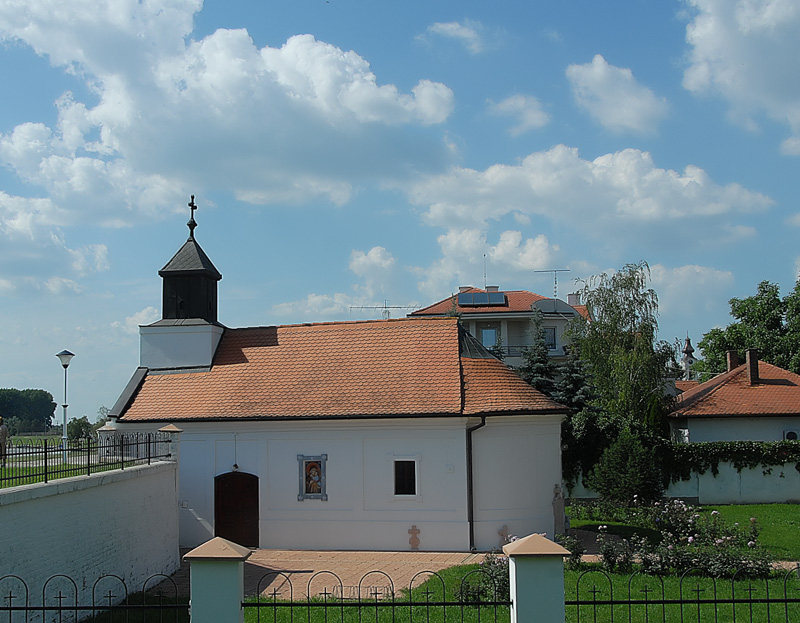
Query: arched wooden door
[(236, 508)]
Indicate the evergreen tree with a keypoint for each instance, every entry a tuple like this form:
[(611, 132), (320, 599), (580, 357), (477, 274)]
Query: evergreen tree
[(537, 368)]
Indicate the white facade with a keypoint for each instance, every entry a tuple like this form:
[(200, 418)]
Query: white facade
[(761, 428), (516, 467)]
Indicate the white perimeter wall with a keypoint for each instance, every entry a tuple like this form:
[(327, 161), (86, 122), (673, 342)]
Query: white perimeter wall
[(762, 485), (517, 465), (122, 522)]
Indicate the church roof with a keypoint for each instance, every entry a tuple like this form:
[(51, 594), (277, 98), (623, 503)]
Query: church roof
[(775, 393), (412, 367), (190, 259)]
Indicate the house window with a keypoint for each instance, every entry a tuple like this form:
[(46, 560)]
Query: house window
[(405, 477), (549, 336), (489, 337)]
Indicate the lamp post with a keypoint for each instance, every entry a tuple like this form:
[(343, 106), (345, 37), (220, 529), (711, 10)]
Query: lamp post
[(65, 357)]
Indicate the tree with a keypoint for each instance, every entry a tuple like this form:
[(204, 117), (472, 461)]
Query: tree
[(764, 321), (537, 368), (34, 408), (79, 428), (628, 363), (626, 469)]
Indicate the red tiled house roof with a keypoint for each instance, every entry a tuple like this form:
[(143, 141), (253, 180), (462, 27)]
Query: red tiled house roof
[(516, 301), (775, 393), (414, 367)]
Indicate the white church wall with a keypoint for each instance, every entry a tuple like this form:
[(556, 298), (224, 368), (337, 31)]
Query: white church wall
[(361, 511), (517, 467), (181, 346)]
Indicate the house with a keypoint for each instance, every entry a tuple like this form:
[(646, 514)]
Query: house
[(503, 318), (376, 435), (753, 401)]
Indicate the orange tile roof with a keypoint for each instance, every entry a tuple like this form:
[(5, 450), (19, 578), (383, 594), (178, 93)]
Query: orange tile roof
[(683, 386), (516, 301), (730, 394), (383, 368)]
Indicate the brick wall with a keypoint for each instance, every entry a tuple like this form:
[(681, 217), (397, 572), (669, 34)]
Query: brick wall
[(122, 522)]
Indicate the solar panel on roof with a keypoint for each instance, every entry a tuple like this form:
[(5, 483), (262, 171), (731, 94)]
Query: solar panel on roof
[(480, 298), (465, 299), (497, 298)]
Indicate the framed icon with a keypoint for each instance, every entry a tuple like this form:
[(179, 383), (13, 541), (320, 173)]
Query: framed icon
[(312, 477)]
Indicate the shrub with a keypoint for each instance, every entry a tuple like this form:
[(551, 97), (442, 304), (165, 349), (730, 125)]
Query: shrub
[(575, 547)]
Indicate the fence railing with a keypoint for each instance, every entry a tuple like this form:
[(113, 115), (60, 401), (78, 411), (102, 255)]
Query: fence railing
[(476, 596), (689, 597), (61, 599), (47, 459)]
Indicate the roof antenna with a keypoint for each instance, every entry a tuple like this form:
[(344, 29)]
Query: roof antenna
[(555, 272), (484, 271), (192, 223)]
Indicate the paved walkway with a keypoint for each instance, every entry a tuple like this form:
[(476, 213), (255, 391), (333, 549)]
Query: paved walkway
[(280, 571)]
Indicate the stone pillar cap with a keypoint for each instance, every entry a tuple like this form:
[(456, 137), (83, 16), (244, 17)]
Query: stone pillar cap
[(219, 549), (534, 545)]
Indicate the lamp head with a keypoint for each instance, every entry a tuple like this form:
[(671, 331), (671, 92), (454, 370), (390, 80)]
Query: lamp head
[(65, 356)]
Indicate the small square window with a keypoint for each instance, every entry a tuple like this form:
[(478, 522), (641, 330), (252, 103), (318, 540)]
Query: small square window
[(405, 478)]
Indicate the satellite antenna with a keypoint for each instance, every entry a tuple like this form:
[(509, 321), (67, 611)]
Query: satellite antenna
[(555, 272), (385, 308)]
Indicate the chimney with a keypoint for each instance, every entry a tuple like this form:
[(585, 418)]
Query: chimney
[(464, 288), (733, 359), (574, 299), (492, 288), (752, 366)]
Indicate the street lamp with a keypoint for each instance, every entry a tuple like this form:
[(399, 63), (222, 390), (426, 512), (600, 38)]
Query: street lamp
[(65, 357)]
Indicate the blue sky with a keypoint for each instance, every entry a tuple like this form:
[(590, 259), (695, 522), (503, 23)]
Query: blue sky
[(345, 153)]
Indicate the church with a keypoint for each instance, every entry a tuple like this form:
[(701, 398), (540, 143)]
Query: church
[(386, 435)]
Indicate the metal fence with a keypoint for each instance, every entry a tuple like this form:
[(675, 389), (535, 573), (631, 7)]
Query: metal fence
[(47, 459), (429, 597), (107, 601), (689, 597)]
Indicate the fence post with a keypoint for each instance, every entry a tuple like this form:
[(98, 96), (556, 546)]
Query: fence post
[(216, 581), (536, 569)]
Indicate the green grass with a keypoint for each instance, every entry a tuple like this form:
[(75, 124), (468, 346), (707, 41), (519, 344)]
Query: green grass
[(779, 524)]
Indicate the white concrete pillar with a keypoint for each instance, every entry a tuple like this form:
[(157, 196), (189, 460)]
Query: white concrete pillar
[(536, 569), (217, 581)]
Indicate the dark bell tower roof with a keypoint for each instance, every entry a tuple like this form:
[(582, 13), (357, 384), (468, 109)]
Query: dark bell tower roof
[(190, 281), (190, 260)]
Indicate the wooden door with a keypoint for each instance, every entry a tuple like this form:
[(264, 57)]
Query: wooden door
[(236, 508)]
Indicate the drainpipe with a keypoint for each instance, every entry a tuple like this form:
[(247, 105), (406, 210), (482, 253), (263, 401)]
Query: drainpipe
[(470, 493)]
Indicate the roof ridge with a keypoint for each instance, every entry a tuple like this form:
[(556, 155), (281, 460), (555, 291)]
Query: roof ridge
[(347, 322)]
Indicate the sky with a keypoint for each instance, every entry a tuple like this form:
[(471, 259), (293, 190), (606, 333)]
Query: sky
[(351, 154)]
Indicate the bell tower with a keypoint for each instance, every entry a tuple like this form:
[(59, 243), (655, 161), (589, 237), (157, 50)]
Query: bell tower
[(190, 281), (188, 333)]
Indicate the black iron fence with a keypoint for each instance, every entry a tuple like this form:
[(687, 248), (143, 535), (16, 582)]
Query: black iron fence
[(64, 599), (689, 597), (430, 597), (48, 459)]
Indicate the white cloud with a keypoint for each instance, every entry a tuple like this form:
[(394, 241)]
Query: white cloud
[(146, 316), (211, 106), (465, 253), (375, 268), (683, 290), (593, 196), (748, 53), (613, 97), (525, 109), (794, 219), (466, 32)]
